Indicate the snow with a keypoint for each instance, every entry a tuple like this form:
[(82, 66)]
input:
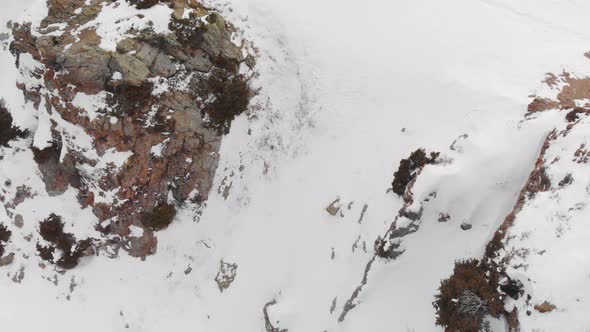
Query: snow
[(156, 150), (43, 136), (549, 236), (136, 231), (339, 82), (117, 76), (92, 104), (117, 18)]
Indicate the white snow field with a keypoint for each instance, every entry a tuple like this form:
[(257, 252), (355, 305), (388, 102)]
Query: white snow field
[(348, 88)]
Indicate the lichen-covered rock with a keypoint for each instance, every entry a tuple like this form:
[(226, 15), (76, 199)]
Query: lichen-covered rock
[(218, 39), (133, 70), (150, 105)]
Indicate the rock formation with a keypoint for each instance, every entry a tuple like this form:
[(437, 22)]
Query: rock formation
[(133, 99)]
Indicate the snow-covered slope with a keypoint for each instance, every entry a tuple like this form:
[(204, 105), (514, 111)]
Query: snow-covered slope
[(546, 246), (347, 89)]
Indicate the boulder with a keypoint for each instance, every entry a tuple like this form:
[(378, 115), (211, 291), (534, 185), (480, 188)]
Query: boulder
[(163, 66), (87, 65), (218, 39)]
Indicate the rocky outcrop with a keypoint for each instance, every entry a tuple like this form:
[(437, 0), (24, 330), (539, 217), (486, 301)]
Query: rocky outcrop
[(534, 235), (154, 109)]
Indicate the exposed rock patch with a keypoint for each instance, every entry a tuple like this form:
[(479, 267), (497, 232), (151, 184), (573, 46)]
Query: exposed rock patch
[(572, 95)]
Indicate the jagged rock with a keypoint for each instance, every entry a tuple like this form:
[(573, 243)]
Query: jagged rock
[(87, 66), (50, 47), (199, 61), (217, 40)]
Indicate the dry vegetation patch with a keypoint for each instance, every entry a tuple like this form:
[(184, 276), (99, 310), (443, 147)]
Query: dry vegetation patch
[(5, 234), (7, 131), (465, 297), (407, 169), (64, 250), (160, 218)]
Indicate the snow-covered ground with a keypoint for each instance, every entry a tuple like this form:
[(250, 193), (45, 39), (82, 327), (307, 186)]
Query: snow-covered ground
[(348, 89)]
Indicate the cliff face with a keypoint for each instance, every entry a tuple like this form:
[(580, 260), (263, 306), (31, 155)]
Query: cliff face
[(539, 245), (133, 100)]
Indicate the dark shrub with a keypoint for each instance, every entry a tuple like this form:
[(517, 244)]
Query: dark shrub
[(545, 181), (567, 180), (71, 257), (52, 230), (539, 181), (145, 4), (131, 99), (5, 234), (402, 177), (7, 131), (572, 115), (465, 297), (189, 31), (229, 94), (160, 218), (512, 288), (407, 168), (46, 253)]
